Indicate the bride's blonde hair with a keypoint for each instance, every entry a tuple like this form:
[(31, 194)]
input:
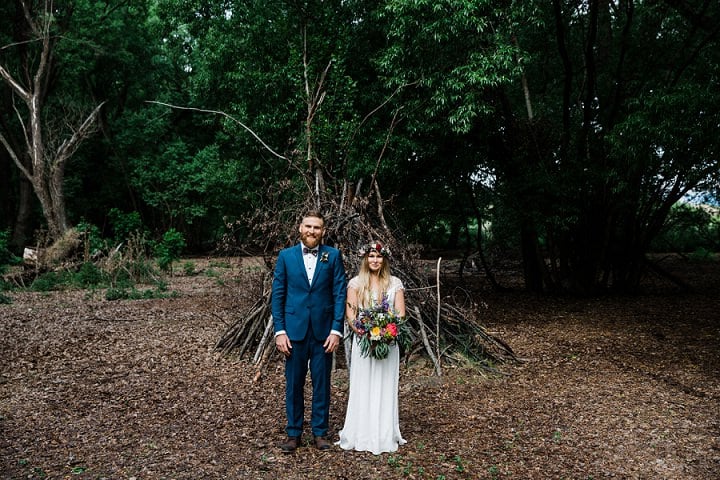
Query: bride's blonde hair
[(364, 294)]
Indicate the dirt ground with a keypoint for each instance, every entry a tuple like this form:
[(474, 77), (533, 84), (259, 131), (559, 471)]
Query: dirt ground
[(614, 387)]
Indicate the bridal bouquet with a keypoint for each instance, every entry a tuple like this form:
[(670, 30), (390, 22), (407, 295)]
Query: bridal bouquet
[(379, 327)]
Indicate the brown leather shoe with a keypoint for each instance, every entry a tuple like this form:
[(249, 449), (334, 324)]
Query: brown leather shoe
[(322, 444), (290, 445)]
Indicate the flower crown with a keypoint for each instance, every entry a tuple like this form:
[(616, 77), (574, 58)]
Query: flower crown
[(376, 247)]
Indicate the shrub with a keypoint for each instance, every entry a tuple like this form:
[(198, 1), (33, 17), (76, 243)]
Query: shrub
[(47, 282), (189, 268), (89, 275), (91, 237), (4, 299), (689, 228), (169, 249), (130, 264), (124, 225), (7, 258), (114, 293)]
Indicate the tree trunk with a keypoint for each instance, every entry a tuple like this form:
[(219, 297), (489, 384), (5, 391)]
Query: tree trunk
[(5, 190), (532, 260), (22, 230)]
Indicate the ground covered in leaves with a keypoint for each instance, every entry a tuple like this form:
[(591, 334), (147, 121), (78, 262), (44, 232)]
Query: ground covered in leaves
[(614, 387)]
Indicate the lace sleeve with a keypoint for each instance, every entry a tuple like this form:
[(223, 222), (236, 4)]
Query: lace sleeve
[(396, 284)]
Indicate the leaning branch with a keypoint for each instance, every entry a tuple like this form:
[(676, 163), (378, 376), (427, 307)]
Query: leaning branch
[(14, 84), (437, 320), (217, 112), (426, 343), (15, 158)]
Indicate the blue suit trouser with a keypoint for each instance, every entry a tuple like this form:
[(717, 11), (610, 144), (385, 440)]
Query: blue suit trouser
[(307, 353)]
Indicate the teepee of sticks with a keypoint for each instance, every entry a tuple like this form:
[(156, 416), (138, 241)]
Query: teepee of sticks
[(441, 330)]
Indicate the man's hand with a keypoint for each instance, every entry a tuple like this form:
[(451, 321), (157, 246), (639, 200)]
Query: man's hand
[(332, 342), (282, 342)]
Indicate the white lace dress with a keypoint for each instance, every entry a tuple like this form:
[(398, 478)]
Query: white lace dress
[(372, 421)]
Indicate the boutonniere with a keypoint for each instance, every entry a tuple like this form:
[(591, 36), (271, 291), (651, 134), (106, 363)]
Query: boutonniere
[(324, 257)]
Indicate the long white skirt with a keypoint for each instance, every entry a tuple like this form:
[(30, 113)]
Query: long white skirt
[(372, 421)]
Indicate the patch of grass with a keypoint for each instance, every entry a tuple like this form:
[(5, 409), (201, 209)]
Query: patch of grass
[(140, 270), (113, 293), (90, 275), (4, 287), (405, 467), (120, 279), (494, 471), (4, 299), (7, 258), (50, 281), (459, 466), (701, 255), (37, 472), (133, 293), (78, 470), (212, 273), (253, 268), (219, 264), (189, 268)]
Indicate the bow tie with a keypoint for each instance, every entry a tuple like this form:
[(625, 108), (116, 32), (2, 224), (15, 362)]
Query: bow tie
[(313, 251)]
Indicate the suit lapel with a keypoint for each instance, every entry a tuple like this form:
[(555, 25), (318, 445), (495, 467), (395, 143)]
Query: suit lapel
[(319, 265), (297, 253)]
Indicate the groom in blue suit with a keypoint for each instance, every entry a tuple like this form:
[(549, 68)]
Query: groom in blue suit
[(308, 309)]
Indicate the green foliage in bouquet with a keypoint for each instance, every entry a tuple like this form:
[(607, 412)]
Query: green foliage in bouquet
[(380, 327)]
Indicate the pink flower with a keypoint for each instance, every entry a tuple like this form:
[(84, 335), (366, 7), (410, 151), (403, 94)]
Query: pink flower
[(392, 329)]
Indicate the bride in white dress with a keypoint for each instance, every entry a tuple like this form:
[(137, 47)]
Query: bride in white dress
[(372, 420)]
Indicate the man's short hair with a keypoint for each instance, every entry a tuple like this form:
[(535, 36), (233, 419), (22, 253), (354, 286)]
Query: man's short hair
[(314, 214)]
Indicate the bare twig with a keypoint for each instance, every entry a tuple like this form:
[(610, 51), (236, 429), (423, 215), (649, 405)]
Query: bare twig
[(437, 319), (218, 112), (264, 340), (426, 342)]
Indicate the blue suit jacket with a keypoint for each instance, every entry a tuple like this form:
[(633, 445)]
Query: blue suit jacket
[(296, 303)]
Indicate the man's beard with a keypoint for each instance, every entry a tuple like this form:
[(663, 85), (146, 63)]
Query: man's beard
[(310, 241)]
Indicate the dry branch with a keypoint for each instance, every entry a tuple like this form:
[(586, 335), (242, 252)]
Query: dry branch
[(426, 343)]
